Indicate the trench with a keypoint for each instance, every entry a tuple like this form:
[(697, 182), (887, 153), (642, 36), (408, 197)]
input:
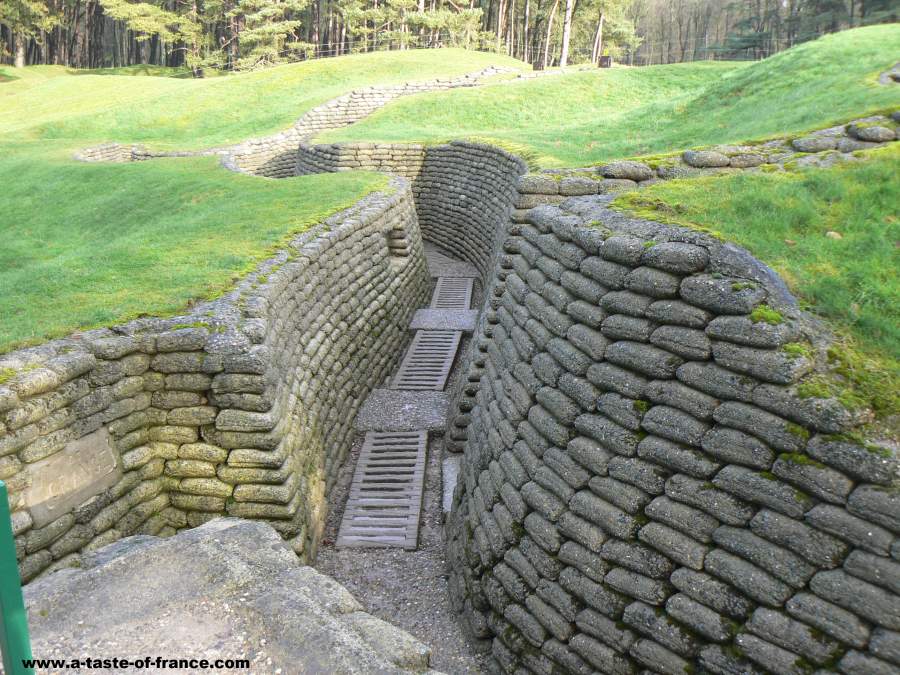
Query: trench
[(642, 485), (463, 194), (634, 491), (408, 587)]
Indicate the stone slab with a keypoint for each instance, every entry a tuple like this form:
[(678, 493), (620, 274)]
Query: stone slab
[(452, 268), (444, 319), (229, 589), (82, 469), (450, 475), (400, 410)]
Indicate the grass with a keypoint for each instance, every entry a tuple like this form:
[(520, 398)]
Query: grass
[(783, 218), (591, 117), (172, 113), (93, 244), (102, 243)]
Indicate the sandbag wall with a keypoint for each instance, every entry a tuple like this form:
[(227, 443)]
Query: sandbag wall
[(464, 191), (275, 156), (245, 407), (644, 487)]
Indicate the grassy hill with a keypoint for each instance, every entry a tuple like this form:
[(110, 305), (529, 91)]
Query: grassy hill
[(53, 103), (93, 244), (590, 117)]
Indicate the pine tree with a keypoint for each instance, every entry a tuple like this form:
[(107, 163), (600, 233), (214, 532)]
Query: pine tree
[(270, 32), (25, 19)]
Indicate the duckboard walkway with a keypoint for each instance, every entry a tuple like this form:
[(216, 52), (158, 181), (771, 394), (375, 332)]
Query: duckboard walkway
[(385, 500)]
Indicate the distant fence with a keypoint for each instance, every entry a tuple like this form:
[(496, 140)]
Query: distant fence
[(699, 49)]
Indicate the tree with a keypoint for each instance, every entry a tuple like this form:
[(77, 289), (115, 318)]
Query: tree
[(26, 19), (597, 51), (463, 26), (567, 33), (256, 33), (545, 62), (268, 26), (148, 21)]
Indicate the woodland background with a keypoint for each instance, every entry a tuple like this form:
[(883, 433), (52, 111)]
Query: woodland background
[(206, 35)]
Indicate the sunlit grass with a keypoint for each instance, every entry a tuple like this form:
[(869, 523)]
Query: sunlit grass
[(51, 102), (591, 117), (848, 277), (92, 244)]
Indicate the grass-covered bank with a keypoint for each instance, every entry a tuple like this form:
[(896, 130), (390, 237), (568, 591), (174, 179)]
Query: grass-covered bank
[(591, 117), (88, 244), (93, 244), (832, 234), (52, 102)]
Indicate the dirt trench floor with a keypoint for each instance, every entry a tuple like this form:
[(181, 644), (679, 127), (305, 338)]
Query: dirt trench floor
[(406, 588)]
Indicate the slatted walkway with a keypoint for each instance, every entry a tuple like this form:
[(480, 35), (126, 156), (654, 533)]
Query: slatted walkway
[(428, 360), (452, 293), (386, 493), (385, 499)]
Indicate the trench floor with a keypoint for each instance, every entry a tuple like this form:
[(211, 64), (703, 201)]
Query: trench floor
[(408, 589)]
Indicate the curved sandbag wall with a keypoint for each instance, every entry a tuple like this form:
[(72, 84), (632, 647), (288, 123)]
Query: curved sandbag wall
[(245, 407), (647, 484)]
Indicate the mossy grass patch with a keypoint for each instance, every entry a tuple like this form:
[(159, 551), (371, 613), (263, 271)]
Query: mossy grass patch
[(593, 117), (151, 239)]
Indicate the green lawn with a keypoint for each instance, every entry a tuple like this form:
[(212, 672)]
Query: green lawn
[(93, 244), (591, 117), (783, 218), (51, 102)]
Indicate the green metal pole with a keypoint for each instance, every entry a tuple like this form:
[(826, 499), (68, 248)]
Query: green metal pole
[(14, 642)]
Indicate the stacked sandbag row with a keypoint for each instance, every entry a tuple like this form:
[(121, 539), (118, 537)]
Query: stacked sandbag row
[(647, 485), (244, 407), (397, 159), (820, 148), (276, 156)]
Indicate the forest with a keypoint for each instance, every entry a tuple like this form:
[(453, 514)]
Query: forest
[(206, 36)]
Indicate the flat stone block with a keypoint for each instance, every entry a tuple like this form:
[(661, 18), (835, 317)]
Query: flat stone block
[(398, 410), (450, 471), (444, 319), (454, 268)]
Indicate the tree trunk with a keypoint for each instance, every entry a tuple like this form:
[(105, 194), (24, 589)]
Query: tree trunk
[(316, 12), (374, 28), (567, 33), (598, 42), (525, 36), (501, 15), (549, 33), (329, 36), (20, 50), (511, 29)]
